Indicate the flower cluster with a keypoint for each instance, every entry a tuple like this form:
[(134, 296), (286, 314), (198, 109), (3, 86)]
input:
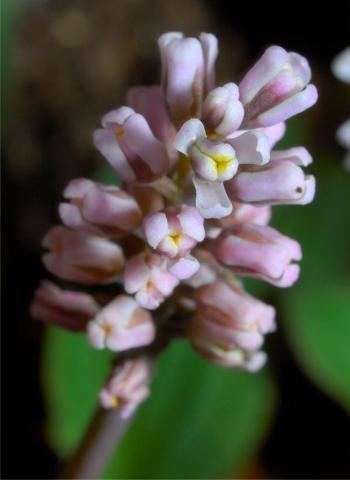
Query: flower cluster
[(199, 175), (341, 69)]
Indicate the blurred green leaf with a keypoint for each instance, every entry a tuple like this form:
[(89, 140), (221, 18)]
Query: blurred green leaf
[(317, 311), (322, 227), (201, 421), (317, 320), (73, 375)]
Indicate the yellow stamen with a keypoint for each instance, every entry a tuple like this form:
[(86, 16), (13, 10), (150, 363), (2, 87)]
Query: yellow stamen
[(119, 132), (222, 162), (175, 237), (115, 402)]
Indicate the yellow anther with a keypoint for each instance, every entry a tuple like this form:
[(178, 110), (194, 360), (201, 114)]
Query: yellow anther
[(119, 132), (222, 162), (175, 237), (115, 402)]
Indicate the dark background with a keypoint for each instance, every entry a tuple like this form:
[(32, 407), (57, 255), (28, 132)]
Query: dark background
[(54, 93)]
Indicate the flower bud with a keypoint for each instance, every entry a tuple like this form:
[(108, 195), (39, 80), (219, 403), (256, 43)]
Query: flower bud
[(187, 72), (127, 386), (64, 308), (121, 325), (147, 277), (222, 111), (99, 209), (259, 251), (229, 324), (279, 182), (276, 88), (129, 145), (81, 257)]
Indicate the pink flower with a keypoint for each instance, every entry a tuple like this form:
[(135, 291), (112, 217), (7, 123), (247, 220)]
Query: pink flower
[(127, 142), (64, 308), (229, 325), (121, 325), (187, 72), (259, 251), (81, 257), (127, 386), (276, 88), (216, 162), (174, 232), (147, 277), (99, 209)]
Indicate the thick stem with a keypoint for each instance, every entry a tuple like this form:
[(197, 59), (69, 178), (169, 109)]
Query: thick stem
[(101, 439)]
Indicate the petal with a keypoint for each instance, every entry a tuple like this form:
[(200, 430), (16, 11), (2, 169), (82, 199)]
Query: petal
[(298, 155), (141, 140), (106, 142), (156, 228), (189, 133), (211, 199), (288, 108), (264, 70), (300, 67), (136, 274), (255, 362), (192, 223), (150, 102), (183, 86), (252, 147), (210, 50), (116, 117), (274, 133), (77, 188), (185, 267)]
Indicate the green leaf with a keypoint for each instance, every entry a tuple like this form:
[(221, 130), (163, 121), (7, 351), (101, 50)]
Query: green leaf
[(316, 311), (317, 321), (201, 421), (73, 374)]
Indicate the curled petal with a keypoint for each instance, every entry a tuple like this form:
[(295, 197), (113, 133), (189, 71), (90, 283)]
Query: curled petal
[(265, 69), (288, 108), (298, 155), (106, 142), (185, 267), (211, 199), (189, 133), (252, 147)]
